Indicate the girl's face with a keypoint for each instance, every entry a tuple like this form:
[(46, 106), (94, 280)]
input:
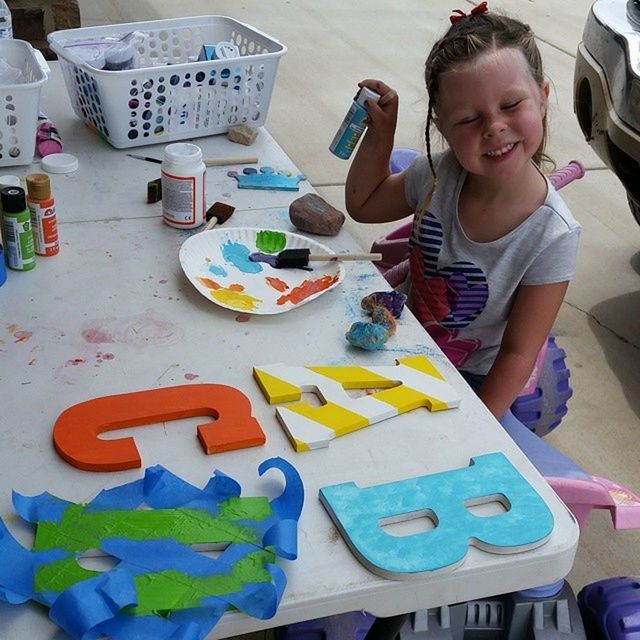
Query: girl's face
[(490, 111)]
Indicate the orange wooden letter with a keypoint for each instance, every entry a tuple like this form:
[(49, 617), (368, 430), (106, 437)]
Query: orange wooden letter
[(76, 431)]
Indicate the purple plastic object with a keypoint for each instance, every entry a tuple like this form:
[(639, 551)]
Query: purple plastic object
[(611, 608), (563, 176), (401, 158), (345, 626), (543, 404)]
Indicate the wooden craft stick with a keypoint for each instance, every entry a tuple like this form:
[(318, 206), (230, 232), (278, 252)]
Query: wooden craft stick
[(209, 162), (342, 257), (298, 258), (219, 162)]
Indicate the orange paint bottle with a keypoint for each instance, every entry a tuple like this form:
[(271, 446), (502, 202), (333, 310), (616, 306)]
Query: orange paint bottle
[(43, 214)]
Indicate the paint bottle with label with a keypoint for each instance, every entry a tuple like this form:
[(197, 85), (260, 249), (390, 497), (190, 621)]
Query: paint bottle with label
[(183, 186), (43, 214), (352, 126), (16, 230)]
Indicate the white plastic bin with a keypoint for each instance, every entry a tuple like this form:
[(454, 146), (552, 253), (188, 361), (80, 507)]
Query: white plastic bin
[(168, 96), (19, 103)]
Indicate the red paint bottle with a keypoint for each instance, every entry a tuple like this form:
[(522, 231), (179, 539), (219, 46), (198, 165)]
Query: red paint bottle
[(43, 214)]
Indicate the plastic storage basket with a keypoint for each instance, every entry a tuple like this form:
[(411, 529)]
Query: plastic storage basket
[(168, 96), (19, 103)]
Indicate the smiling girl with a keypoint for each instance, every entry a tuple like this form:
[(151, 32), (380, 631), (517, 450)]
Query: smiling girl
[(493, 245)]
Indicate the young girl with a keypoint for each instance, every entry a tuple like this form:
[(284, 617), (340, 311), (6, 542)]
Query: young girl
[(493, 245)]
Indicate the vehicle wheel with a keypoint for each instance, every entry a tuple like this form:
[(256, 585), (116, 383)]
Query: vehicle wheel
[(611, 608), (542, 410)]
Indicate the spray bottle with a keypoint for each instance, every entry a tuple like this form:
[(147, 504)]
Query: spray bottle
[(43, 214), (353, 125)]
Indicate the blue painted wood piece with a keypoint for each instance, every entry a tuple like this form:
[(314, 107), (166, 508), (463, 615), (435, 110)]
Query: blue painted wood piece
[(267, 178), (445, 498)]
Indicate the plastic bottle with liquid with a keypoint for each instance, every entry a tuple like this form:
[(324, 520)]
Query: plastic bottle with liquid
[(352, 126), (42, 208), (6, 24), (183, 186), (16, 229)]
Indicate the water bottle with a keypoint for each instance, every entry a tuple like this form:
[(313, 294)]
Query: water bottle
[(6, 28)]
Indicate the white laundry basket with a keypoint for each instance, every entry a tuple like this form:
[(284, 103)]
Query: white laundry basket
[(20, 102), (169, 96)]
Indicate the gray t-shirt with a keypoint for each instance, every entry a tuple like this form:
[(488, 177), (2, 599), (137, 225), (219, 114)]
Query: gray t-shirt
[(460, 290)]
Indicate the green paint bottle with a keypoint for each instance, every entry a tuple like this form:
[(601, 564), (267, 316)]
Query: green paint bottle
[(16, 230)]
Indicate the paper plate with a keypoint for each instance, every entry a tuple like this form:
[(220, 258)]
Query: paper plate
[(218, 265)]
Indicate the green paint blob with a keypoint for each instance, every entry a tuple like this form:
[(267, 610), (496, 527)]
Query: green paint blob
[(169, 590), (271, 241), (59, 576), (79, 531), (174, 590)]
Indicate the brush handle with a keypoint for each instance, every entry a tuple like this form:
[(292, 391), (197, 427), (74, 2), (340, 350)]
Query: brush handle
[(210, 224), (220, 162), (343, 257)]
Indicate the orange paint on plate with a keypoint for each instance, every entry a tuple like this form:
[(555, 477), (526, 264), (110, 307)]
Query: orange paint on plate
[(277, 284), (207, 282), (306, 289)]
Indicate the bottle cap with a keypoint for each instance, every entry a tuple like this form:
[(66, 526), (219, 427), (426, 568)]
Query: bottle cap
[(39, 186), (119, 57), (226, 50), (91, 54), (367, 94), (59, 163), (182, 152), (13, 199), (9, 181)]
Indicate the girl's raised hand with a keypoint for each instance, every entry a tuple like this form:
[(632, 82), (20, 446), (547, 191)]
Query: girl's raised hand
[(383, 116)]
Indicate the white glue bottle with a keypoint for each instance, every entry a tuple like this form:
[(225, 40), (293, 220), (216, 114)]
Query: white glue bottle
[(183, 186), (352, 126)]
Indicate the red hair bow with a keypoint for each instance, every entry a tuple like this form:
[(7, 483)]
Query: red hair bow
[(459, 14)]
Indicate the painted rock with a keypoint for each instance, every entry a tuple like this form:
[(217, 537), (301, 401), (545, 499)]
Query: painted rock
[(312, 214), (367, 335), (392, 300), (384, 317)]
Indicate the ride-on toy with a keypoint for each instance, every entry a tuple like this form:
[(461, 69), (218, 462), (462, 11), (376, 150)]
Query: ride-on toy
[(543, 401)]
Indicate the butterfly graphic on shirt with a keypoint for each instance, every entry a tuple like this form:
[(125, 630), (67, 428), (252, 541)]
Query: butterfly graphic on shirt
[(448, 298)]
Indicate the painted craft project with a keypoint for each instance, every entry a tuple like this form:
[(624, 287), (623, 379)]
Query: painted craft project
[(76, 431), (160, 587), (445, 499), (267, 178), (235, 268), (413, 382)]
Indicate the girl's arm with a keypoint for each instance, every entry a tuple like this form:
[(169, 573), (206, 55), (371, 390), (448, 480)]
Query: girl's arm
[(372, 193), (532, 316)]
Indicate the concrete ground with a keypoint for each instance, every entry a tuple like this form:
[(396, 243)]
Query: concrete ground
[(335, 43)]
